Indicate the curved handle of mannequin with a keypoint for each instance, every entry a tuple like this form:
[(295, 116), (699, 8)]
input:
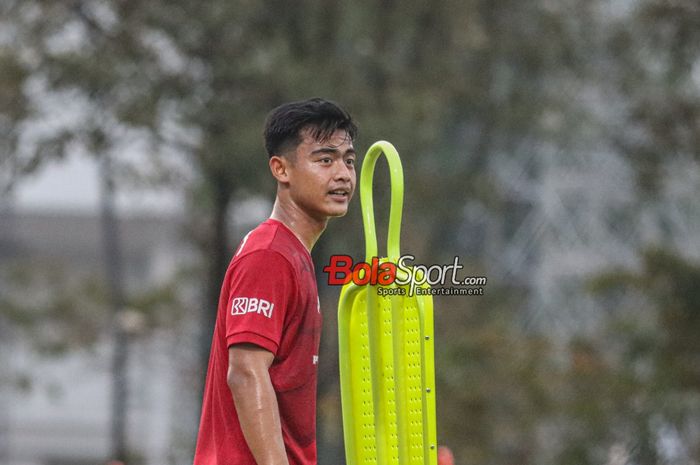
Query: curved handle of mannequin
[(396, 177)]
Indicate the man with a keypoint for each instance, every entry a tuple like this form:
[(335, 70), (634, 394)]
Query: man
[(260, 395)]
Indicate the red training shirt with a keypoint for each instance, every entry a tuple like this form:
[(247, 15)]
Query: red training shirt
[(268, 298)]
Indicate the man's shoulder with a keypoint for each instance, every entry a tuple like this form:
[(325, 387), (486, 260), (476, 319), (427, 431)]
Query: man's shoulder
[(268, 241), (259, 265), (260, 238), (272, 248)]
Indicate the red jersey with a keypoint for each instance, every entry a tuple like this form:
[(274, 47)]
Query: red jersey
[(268, 298)]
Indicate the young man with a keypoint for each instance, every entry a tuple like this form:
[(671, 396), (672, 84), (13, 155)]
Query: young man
[(260, 396)]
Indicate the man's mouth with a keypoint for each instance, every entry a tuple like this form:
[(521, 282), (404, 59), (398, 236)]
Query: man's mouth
[(339, 194)]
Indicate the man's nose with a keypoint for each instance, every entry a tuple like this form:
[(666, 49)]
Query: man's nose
[(342, 172)]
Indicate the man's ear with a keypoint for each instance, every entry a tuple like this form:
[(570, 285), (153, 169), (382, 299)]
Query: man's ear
[(279, 167)]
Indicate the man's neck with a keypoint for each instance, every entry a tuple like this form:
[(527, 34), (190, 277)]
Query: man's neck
[(305, 227)]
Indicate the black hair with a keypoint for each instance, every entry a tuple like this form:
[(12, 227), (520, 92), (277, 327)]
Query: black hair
[(284, 124)]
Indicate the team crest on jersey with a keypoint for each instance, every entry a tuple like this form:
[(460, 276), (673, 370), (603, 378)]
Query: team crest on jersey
[(243, 305)]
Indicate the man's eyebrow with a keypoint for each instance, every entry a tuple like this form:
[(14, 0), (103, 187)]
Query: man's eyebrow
[(332, 150)]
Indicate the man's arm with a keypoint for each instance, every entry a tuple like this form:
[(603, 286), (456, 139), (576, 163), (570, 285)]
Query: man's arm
[(256, 402)]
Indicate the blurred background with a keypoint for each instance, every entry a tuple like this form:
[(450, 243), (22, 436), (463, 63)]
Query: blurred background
[(552, 145)]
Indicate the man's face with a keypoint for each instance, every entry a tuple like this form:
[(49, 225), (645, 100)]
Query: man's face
[(322, 175)]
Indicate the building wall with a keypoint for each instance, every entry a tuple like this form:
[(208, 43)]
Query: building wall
[(55, 408)]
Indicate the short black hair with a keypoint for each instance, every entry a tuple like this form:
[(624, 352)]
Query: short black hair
[(284, 124)]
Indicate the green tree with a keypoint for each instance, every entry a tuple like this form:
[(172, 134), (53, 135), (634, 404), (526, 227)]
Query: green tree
[(453, 84), (655, 48), (656, 350), (14, 109)]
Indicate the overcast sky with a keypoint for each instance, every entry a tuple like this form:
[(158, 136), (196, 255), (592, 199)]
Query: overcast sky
[(74, 185)]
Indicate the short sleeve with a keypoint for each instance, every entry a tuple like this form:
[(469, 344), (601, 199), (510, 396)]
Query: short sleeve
[(262, 291)]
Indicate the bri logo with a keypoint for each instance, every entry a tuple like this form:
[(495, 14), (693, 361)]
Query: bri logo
[(243, 305)]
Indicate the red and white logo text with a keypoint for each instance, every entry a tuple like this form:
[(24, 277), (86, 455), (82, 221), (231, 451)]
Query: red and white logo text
[(390, 277), (243, 305)]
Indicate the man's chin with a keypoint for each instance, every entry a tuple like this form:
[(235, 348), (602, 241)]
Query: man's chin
[(338, 214)]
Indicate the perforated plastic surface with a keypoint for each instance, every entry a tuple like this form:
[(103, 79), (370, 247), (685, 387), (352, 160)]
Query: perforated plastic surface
[(388, 412), (386, 353)]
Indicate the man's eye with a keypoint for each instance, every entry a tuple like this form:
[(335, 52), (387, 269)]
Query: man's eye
[(350, 161), (326, 160)]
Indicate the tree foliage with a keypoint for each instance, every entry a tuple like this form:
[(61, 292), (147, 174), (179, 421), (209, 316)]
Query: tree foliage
[(455, 85)]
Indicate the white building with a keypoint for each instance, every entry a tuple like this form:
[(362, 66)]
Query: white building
[(55, 409)]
